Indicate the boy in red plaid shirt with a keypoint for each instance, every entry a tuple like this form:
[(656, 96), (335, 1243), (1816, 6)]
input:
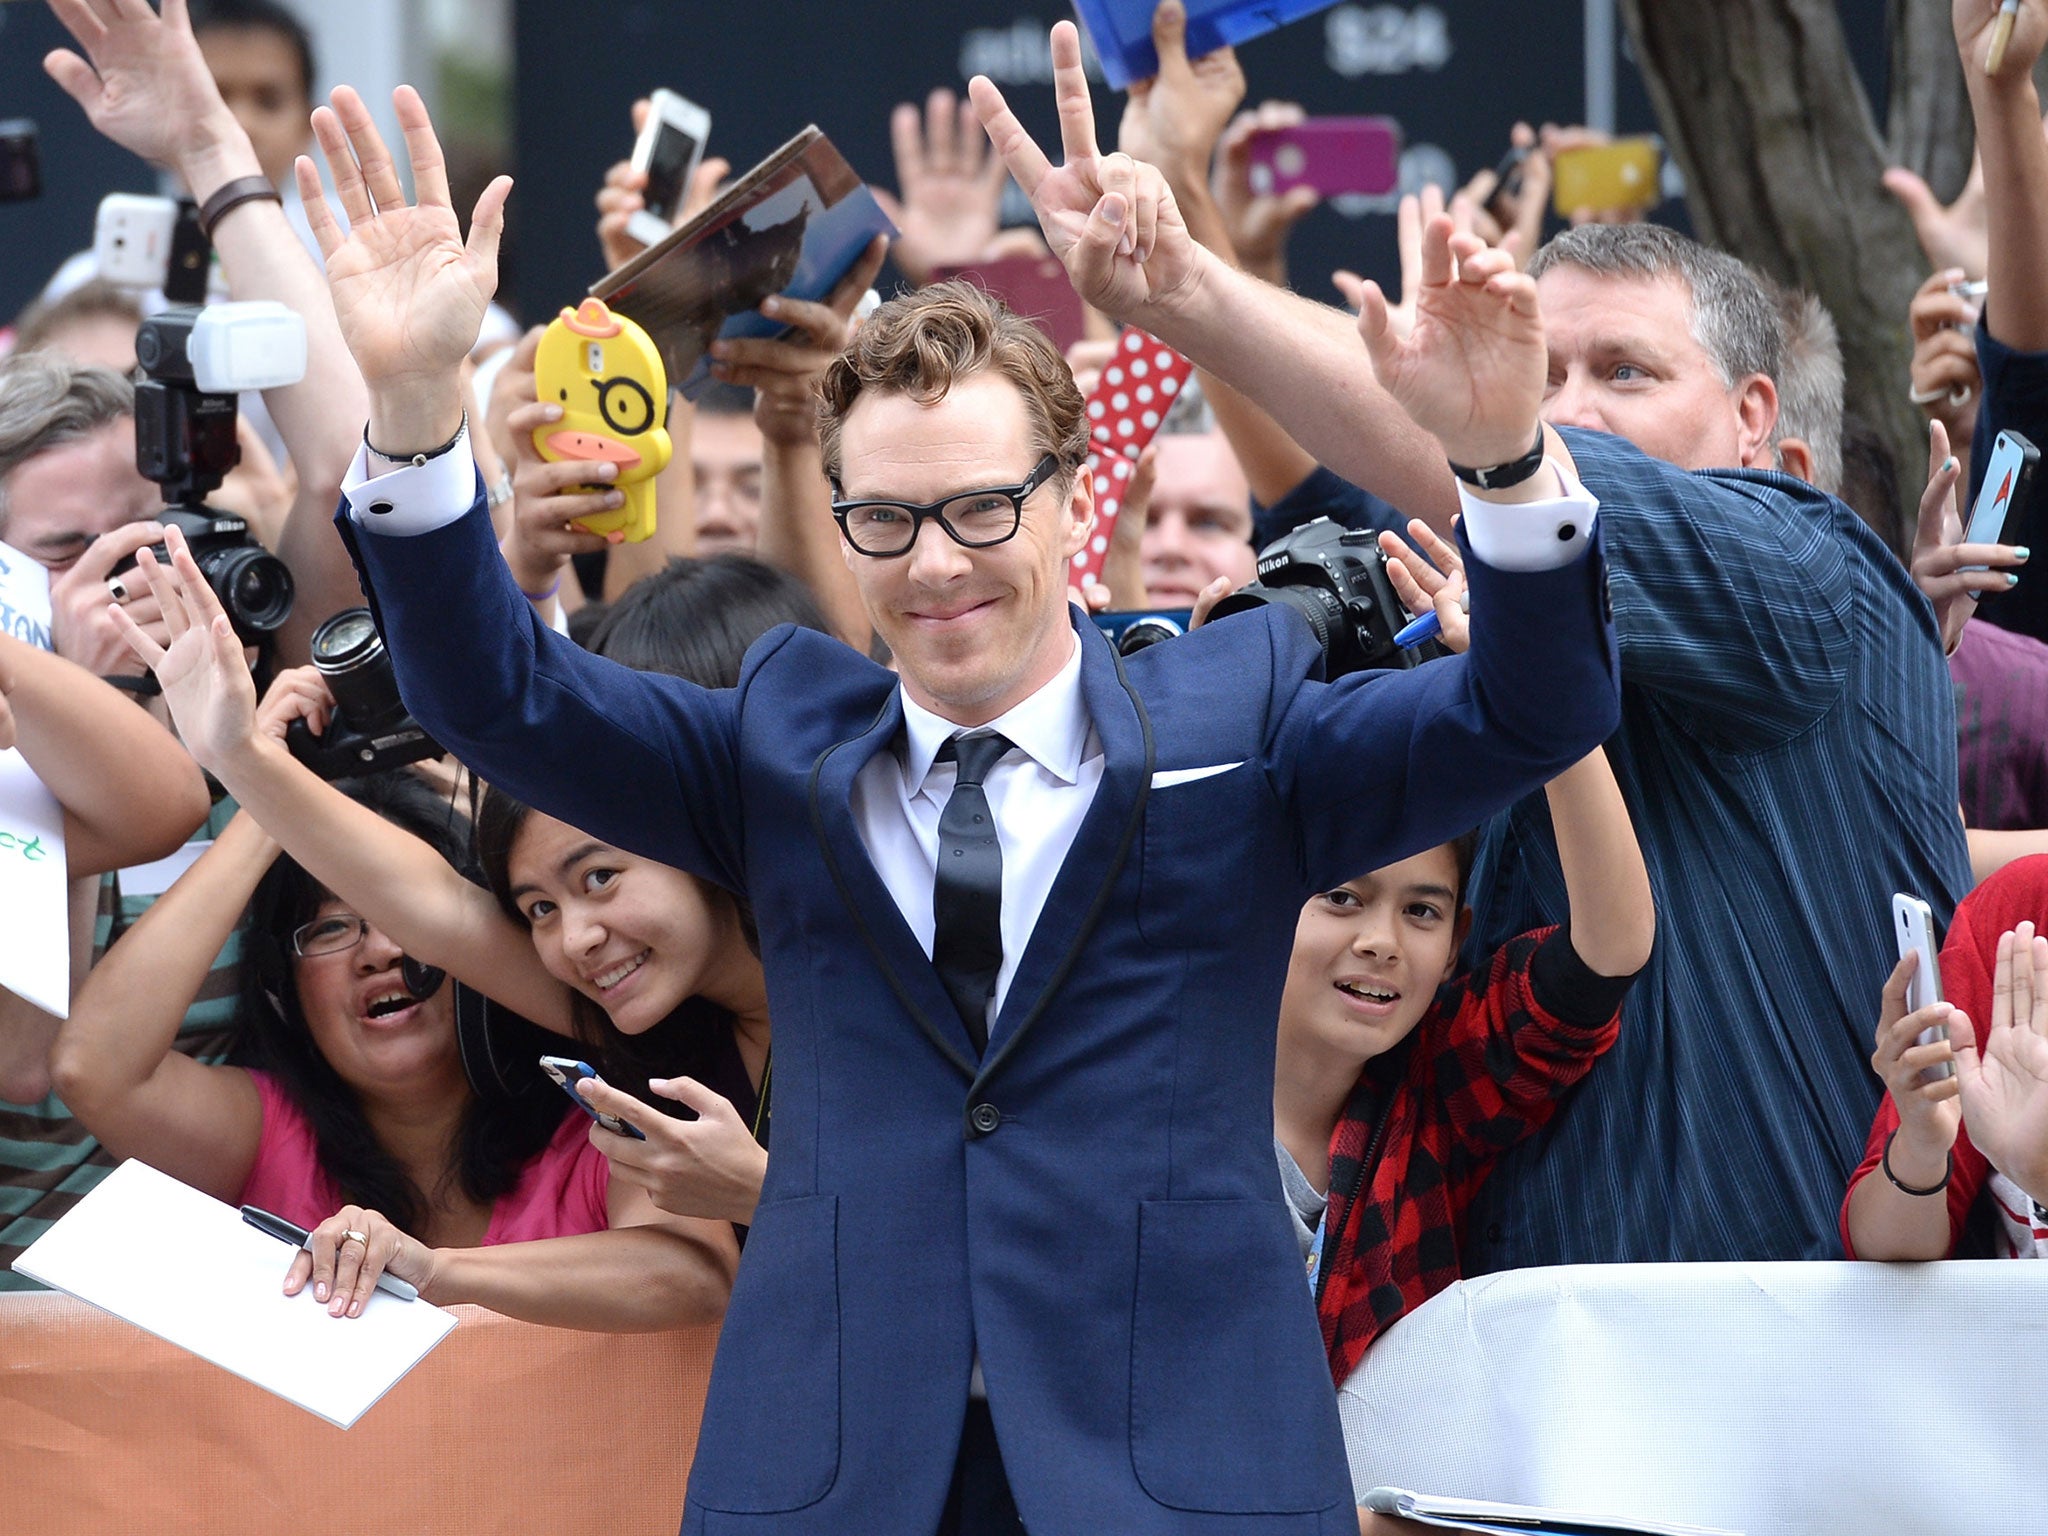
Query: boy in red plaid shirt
[(1398, 1082)]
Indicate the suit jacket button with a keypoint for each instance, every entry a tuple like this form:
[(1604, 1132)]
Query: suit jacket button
[(984, 1118)]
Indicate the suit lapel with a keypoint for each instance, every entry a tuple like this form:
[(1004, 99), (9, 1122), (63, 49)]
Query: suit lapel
[(1102, 844), (897, 954)]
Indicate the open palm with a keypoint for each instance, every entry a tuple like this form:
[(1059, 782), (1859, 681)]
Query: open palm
[(409, 292), (2005, 1079), (1471, 370), (204, 678)]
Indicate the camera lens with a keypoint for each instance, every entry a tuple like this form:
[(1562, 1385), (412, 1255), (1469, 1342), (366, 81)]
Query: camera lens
[(1322, 610), (351, 656), (1141, 633), (254, 587)]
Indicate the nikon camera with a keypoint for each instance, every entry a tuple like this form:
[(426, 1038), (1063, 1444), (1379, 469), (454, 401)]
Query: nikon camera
[(194, 361), (1336, 578)]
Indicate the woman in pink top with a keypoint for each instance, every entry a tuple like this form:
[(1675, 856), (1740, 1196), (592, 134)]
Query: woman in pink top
[(360, 1123)]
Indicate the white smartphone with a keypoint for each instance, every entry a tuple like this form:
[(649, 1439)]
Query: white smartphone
[(668, 149), (1913, 923), (131, 239), (2000, 512)]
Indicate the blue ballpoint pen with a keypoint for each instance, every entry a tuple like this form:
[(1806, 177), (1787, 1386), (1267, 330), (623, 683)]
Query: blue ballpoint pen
[(290, 1232), (1420, 631)]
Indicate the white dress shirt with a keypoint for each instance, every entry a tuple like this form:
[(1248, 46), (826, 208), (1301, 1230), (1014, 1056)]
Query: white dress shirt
[(1038, 792)]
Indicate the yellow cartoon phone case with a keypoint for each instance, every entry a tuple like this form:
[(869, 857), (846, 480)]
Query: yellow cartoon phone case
[(607, 377)]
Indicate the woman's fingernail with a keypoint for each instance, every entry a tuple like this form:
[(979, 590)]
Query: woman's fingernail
[(1948, 465), (724, 348), (320, 1291), (2011, 579), (552, 411), (771, 305), (615, 498), (2021, 552)]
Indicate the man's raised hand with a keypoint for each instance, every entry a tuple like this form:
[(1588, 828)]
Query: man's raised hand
[(204, 677), (409, 292), (1110, 219), (1471, 371)]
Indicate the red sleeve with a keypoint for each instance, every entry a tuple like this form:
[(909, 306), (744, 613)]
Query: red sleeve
[(2017, 893), (1505, 1059)]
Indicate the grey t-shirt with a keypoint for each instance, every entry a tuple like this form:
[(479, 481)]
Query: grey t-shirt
[(1302, 1200)]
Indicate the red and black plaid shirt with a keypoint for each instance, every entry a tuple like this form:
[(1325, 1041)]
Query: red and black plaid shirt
[(1485, 1068)]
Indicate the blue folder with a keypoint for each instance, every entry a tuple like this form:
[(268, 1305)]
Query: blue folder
[(1122, 29)]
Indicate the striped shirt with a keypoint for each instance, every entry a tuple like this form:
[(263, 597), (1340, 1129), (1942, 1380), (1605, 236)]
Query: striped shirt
[(1788, 754), (47, 1159)]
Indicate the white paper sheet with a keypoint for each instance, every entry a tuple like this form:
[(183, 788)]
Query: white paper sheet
[(35, 934), (188, 1269), (35, 929)]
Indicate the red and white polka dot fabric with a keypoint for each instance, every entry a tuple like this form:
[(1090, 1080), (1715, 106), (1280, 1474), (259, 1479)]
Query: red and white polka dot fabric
[(1138, 386)]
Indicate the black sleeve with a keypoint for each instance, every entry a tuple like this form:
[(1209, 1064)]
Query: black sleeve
[(1569, 990)]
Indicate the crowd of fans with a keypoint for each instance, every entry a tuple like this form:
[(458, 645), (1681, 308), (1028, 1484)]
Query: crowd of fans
[(1630, 1019)]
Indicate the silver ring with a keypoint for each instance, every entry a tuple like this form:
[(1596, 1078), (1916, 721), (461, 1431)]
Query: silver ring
[(117, 589), (355, 1237)]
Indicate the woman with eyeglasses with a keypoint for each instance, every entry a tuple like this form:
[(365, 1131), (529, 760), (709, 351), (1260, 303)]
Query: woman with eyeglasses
[(356, 1119), (652, 971)]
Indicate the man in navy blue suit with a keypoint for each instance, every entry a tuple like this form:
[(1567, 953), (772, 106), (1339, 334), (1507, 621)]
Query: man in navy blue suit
[(1021, 1260)]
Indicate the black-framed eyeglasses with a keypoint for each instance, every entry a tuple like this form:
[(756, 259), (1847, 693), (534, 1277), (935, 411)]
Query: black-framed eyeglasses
[(329, 935), (974, 519)]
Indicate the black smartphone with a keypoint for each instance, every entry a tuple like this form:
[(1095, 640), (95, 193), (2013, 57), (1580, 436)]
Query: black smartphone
[(1507, 180)]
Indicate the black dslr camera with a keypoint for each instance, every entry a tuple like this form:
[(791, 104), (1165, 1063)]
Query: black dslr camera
[(194, 361), (1336, 578), (369, 729)]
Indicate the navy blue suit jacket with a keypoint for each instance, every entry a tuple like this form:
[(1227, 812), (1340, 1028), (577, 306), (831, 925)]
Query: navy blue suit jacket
[(1093, 1206)]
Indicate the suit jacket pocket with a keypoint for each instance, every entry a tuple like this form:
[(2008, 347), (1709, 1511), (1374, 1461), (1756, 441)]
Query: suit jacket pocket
[(770, 1439), (1195, 828), (1232, 1411)]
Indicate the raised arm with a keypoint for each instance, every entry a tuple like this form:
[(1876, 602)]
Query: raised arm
[(525, 708), (1115, 224), (113, 1062), (148, 89), (1607, 884), (130, 793), (383, 872), (2014, 156), (797, 531)]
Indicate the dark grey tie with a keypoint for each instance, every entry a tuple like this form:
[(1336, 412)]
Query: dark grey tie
[(967, 895)]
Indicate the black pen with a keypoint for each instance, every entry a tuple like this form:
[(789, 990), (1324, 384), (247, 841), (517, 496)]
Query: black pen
[(286, 1232)]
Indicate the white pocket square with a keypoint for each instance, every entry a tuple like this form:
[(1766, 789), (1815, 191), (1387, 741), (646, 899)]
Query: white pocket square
[(1166, 778)]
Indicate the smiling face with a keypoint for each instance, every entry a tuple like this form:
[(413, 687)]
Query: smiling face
[(375, 1036), (635, 937), (1368, 959), (1624, 359), (974, 631), (1198, 524)]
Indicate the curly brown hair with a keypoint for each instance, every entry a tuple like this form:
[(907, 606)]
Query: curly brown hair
[(924, 342)]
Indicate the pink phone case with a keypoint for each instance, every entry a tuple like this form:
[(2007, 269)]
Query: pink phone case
[(1332, 155)]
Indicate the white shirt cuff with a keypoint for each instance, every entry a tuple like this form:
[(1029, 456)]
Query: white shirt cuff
[(413, 498), (1531, 535)]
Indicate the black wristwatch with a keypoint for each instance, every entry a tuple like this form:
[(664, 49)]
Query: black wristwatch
[(1499, 477)]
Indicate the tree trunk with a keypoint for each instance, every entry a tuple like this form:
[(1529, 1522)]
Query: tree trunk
[(1927, 126), (1762, 107)]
